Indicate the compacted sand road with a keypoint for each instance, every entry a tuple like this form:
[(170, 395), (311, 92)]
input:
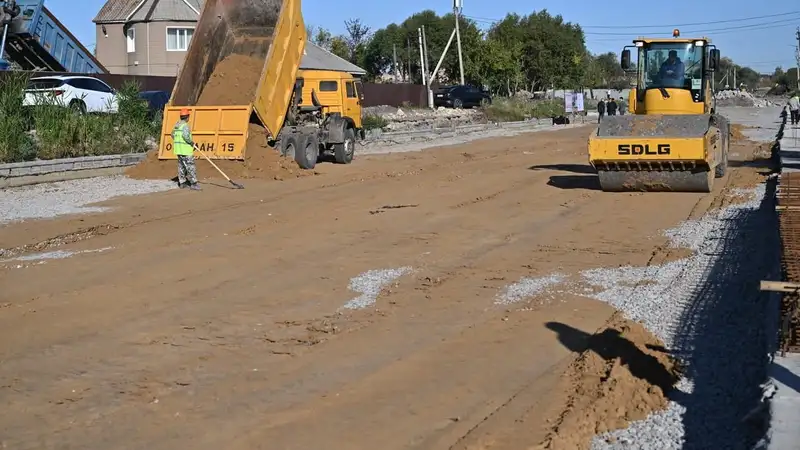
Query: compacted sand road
[(217, 319)]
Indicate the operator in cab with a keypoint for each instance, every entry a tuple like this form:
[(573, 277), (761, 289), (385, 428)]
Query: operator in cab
[(672, 71)]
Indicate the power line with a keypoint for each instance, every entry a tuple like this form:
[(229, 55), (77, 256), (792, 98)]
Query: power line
[(737, 29), (744, 19)]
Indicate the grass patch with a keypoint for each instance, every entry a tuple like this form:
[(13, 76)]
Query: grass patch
[(505, 109), (51, 130), (373, 122)]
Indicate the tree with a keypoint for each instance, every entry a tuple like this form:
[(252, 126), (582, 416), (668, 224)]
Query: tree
[(321, 37), (340, 48), (356, 39)]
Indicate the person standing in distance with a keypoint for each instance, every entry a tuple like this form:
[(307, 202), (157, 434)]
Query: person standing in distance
[(183, 146), (601, 110), (794, 109)]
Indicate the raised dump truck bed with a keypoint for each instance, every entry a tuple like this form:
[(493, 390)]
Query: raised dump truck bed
[(243, 59), (38, 41)]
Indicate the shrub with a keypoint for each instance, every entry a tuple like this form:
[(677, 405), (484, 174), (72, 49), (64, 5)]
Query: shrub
[(50, 130), (373, 122), (504, 109)]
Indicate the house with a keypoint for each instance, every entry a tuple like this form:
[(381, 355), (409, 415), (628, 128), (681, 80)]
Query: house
[(150, 37), (145, 37)]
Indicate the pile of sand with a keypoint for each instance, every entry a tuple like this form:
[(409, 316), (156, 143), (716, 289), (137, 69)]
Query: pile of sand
[(233, 82), (261, 162), (623, 376)]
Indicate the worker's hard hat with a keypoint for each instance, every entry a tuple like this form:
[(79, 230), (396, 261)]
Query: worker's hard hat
[(185, 111)]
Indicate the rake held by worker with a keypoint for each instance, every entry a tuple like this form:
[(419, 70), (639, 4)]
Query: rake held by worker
[(235, 184)]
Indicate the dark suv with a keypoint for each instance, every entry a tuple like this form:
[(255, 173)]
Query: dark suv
[(460, 96)]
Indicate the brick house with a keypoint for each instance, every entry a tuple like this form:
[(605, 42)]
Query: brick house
[(150, 37)]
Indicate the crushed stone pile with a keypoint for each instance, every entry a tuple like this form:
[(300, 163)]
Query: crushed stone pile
[(740, 98), (409, 119)]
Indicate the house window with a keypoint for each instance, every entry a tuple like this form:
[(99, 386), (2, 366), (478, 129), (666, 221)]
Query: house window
[(130, 38), (178, 39)]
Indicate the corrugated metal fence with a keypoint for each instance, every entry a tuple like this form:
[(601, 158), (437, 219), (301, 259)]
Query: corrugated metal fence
[(374, 94)]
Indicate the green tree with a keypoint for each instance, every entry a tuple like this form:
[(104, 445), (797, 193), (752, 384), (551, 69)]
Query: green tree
[(340, 48)]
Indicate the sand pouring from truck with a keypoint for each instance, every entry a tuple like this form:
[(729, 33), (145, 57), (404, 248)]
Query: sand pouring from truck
[(674, 139), (243, 67)]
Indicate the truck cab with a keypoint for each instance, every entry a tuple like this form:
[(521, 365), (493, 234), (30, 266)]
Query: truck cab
[(337, 92)]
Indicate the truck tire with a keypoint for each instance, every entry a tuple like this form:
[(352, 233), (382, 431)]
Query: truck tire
[(344, 152), (288, 145), (307, 151)]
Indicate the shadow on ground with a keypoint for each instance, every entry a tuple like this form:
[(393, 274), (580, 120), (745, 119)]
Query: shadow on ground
[(610, 345), (588, 182), (721, 335), (574, 168)]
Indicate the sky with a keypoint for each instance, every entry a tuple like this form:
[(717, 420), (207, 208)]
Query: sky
[(741, 30)]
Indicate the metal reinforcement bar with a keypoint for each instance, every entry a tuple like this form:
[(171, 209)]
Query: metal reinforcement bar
[(788, 209)]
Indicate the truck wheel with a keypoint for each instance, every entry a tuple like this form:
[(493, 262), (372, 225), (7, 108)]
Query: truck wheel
[(288, 145), (344, 152), (307, 151)]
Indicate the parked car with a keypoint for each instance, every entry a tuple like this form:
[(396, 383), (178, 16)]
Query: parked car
[(83, 94), (156, 101), (460, 96)]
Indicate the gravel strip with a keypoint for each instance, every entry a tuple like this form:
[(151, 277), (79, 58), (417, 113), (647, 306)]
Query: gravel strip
[(708, 311), (42, 258), (526, 288), (48, 200), (370, 284)]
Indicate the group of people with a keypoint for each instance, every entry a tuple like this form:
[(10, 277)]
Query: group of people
[(611, 106)]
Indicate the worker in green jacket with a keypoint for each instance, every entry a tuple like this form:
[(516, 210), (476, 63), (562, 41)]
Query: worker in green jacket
[(183, 146)]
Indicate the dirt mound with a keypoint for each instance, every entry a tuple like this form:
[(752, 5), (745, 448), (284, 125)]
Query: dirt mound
[(233, 82), (261, 162), (736, 132), (621, 377)]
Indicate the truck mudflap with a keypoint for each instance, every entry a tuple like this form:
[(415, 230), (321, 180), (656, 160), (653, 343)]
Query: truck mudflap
[(219, 132)]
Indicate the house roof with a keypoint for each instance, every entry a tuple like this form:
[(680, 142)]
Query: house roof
[(318, 58), (121, 11)]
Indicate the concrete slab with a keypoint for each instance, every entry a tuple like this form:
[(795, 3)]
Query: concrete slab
[(785, 405)]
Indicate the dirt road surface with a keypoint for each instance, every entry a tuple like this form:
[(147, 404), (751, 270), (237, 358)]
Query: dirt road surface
[(217, 319)]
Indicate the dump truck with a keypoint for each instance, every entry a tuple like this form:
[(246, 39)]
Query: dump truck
[(242, 68), (34, 39), (674, 139)]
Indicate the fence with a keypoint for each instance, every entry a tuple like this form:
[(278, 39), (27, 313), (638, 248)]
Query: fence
[(374, 94)]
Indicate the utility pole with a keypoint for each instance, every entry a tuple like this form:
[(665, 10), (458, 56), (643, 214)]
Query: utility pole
[(735, 86), (797, 56), (421, 55), (408, 49), (427, 68), (427, 56), (394, 67), (457, 6)]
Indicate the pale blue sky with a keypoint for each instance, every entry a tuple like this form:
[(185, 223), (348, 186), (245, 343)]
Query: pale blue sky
[(762, 43)]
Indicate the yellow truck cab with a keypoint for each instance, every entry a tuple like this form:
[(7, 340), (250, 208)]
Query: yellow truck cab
[(337, 92)]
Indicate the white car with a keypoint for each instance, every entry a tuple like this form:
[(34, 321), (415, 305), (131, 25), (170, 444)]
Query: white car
[(84, 94)]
